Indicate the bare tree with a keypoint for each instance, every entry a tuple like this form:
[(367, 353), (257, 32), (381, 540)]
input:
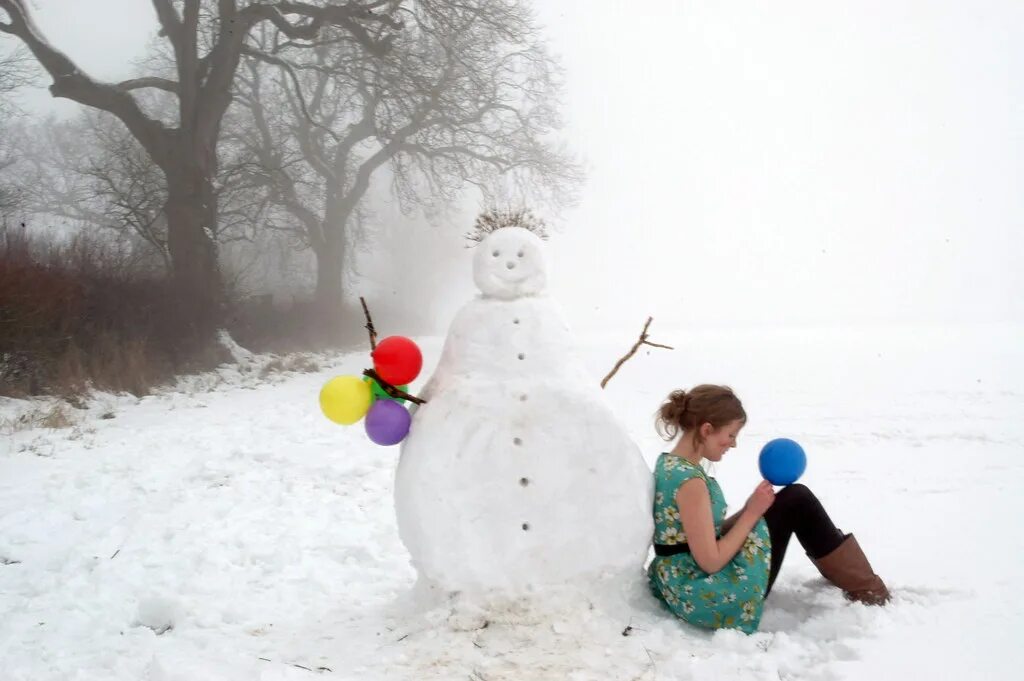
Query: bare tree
[(15, 72), (90, 172), (207, 38), (467, 96), (93, 173), (11, 196)]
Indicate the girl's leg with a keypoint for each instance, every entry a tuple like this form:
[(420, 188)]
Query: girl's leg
[(797, 510)]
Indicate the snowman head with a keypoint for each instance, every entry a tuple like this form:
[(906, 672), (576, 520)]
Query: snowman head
[(509, 263)]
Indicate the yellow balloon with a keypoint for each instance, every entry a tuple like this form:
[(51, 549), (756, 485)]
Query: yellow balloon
[(345, 399)]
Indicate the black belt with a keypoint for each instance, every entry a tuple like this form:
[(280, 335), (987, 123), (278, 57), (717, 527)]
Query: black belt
[(671, 549)]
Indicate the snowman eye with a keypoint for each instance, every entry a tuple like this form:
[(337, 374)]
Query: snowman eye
[(520, 254), (496, 254)]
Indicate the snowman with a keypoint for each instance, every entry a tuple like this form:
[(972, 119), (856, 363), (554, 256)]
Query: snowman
[(516, 476)]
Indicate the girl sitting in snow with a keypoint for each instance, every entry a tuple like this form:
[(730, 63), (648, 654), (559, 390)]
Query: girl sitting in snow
[(714, 571)]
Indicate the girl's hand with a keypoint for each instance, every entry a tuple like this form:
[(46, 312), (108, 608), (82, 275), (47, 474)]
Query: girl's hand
[(761, 500)]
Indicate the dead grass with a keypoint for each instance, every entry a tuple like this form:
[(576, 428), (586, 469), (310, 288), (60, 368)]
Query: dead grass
[(290, 363), (55, 414)]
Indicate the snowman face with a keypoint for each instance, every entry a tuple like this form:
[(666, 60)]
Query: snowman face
[(509, 263)]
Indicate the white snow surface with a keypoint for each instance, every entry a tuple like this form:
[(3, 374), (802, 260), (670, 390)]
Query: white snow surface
[(516, 476), (227, 530)]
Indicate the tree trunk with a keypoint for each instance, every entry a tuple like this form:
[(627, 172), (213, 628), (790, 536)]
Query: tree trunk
[(328, 297), (191, 224)]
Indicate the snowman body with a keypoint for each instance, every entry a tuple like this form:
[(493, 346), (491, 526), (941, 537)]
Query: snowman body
[(516, 474)]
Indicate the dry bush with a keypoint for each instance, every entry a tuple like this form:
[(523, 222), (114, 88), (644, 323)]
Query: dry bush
[(89, 313), (83, 314)]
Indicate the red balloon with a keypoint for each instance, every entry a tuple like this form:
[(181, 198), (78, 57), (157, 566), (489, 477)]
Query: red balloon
[(397, 360)]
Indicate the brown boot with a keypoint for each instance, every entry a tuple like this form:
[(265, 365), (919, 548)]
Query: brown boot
[(849, 569)]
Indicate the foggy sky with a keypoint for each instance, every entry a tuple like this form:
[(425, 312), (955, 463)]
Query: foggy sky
[(755, 163)]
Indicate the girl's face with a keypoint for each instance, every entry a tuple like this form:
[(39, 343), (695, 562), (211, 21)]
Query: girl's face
[(718, 442)]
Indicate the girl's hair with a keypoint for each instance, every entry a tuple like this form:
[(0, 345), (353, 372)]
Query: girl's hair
[(684, 411)]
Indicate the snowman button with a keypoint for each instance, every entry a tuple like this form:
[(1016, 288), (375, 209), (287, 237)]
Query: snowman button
[(526, 526)]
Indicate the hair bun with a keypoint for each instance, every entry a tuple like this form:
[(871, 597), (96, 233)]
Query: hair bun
[(680, 401)]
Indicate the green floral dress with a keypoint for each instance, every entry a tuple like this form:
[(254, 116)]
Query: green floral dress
[(730, 598)]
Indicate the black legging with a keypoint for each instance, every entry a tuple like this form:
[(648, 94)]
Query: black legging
[(797, 510)]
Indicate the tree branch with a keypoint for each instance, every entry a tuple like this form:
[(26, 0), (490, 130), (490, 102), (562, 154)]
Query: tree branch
[(277, 61), (170, 22), (346, 16), (369, 324), (642, 341), (456, 152), (153, 82), (391, 390), (70, 82)]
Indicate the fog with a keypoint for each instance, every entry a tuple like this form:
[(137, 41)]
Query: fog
[(747, 163), (796, 162)]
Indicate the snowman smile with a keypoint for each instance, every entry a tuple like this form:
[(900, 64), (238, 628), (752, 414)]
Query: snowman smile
[(510, 265)]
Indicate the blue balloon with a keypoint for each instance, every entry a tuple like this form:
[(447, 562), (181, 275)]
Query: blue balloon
[(782, 461)]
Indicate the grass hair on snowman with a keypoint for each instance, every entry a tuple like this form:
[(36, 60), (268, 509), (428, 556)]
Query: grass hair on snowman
[(493, 219)]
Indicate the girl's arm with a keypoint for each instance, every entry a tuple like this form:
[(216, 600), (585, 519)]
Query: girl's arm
[(694, 503), (731, 520)]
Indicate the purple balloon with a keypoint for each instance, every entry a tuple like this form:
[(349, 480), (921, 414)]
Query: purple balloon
[(387, 422)]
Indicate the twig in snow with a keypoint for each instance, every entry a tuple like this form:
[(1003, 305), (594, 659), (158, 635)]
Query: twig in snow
[(630, 628), (294, 664), (636, 346), (651, 658), (651, 669)]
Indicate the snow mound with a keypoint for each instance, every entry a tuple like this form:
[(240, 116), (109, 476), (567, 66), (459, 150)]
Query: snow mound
[(158, 613)]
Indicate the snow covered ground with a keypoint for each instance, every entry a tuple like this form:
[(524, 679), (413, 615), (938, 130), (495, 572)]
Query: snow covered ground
[(227, 530)]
